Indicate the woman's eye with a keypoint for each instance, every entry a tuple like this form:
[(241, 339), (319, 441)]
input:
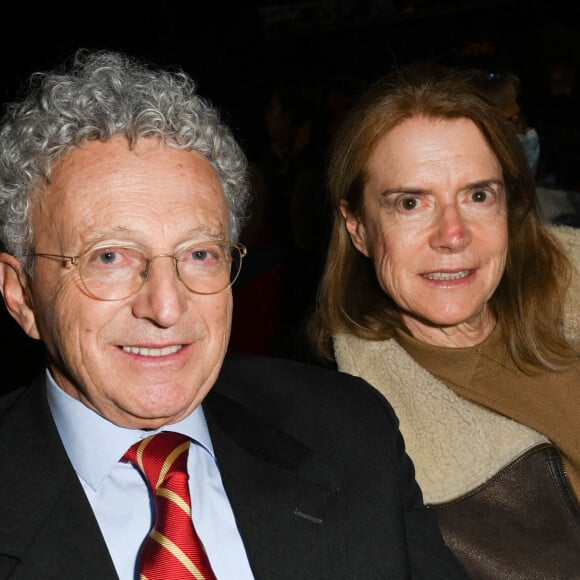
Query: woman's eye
[(480, 196), (409, 203)]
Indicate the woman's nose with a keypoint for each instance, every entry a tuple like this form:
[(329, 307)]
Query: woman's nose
[(451, 232)]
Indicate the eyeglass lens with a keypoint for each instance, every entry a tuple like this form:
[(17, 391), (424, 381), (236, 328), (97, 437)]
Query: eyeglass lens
[(117, 272)]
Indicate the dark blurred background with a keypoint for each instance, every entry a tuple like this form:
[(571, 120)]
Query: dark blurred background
[(235, 49), (238, 51)]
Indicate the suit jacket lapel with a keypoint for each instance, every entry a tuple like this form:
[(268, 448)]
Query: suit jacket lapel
[(274, 482), (50, 524)]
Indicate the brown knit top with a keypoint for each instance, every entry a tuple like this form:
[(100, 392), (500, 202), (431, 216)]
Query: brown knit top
[(547, 402)]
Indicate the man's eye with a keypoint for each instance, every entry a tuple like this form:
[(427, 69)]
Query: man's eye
[(104, 257), (114, 257), (199, 255), (203, 254), (109, 257)]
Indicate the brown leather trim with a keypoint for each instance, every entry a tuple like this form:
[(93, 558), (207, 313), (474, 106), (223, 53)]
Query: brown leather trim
[(524, 523)]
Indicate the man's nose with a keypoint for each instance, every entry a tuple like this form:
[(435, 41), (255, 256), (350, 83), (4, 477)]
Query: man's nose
[(162, 298)]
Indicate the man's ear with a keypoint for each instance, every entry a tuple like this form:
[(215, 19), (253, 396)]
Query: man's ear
[(14, 289), (355, 228)]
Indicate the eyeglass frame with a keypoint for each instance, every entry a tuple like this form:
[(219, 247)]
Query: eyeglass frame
[(76, 260)]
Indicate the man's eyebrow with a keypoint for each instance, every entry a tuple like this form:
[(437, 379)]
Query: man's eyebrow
[(122, 231), (206, 231), (108, 232)]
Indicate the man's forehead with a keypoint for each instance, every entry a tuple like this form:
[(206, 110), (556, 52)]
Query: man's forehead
[(107, 190)]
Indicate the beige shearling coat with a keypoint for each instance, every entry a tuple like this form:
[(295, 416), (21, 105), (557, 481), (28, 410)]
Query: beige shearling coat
[(456, 445)]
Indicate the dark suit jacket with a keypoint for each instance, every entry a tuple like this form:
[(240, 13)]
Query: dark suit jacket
[(311, 459)]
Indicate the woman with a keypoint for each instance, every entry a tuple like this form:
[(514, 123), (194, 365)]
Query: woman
[(444, 289)]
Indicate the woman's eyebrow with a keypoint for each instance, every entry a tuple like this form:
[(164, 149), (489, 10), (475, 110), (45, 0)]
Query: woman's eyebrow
[(485, 183), (406, 190)]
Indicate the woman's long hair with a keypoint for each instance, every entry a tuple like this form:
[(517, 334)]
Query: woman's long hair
[(529, 300)]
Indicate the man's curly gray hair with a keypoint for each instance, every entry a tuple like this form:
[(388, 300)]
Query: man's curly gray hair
[(103, 94)]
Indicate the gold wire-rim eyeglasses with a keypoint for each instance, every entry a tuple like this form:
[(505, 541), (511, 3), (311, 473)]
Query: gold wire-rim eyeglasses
[(137, 277)]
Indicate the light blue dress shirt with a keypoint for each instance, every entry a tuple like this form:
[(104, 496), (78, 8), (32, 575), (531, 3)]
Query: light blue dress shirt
[(120, 498)]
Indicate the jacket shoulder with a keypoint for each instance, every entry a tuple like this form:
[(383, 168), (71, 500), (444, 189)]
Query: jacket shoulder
[(304, 396), (289, 379)]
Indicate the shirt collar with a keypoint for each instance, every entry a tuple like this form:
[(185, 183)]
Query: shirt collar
[(95, 444)]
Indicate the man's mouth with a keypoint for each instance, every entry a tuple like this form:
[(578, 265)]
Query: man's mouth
[(143, 351)]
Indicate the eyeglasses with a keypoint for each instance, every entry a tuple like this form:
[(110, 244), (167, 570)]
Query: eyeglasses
[(117, 272)]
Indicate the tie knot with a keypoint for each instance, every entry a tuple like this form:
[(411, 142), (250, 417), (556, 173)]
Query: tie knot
[(160, 456)]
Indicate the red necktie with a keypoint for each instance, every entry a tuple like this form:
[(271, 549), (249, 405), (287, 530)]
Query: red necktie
[(172, 550)]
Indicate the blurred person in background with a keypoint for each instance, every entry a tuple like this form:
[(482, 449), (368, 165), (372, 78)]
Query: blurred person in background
[(503, 89)]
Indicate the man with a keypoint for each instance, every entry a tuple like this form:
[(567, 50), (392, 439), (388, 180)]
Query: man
[(121, 199)]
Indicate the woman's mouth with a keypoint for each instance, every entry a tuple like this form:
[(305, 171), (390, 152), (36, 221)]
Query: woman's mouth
[(447, 275)]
